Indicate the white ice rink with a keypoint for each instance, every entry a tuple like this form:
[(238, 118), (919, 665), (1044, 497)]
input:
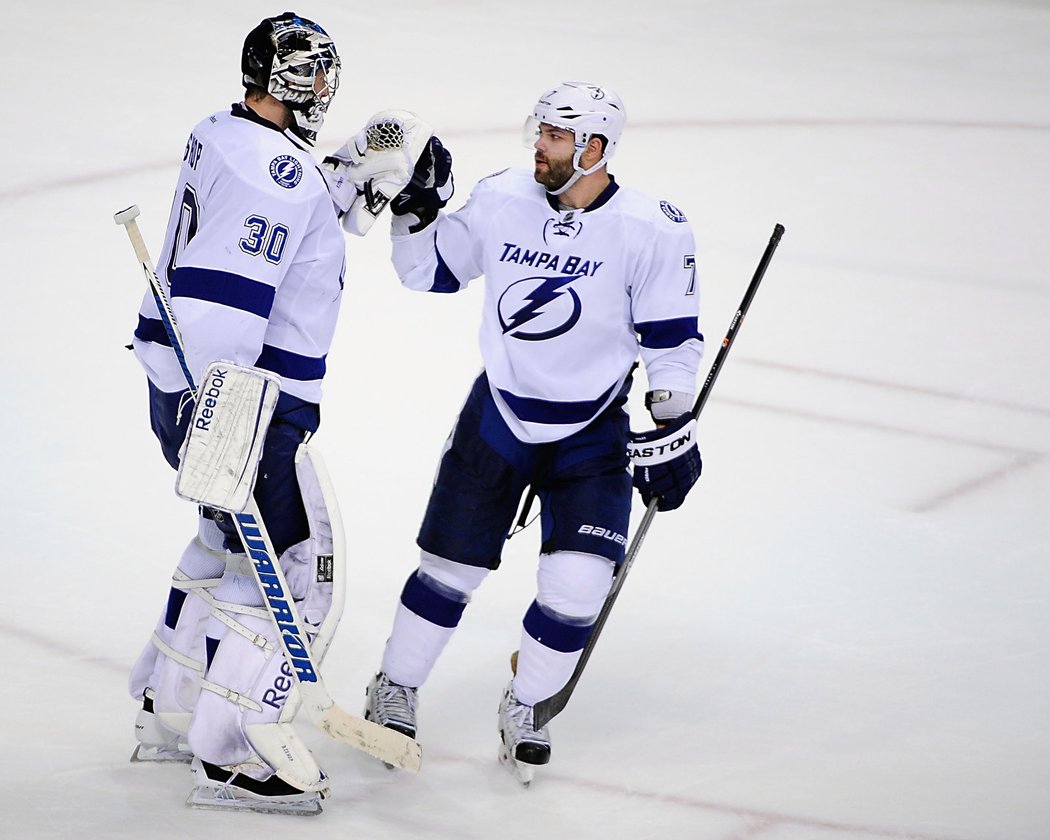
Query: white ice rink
[(843, 635)]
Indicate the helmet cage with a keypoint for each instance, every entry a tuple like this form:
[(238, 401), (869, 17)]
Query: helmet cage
[(289, 62)]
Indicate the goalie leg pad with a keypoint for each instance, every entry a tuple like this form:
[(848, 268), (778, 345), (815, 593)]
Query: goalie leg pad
[(166, 676), (236, 723)]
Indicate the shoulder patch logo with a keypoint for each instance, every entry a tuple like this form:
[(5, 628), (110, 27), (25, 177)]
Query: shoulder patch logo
[(672, 212), (286, 171)]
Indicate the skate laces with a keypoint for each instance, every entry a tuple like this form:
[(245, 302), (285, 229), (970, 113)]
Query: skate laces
[(520, 717), (395, 702)]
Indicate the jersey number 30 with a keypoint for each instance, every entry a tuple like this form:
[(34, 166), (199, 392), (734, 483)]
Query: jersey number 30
[(264, 238)]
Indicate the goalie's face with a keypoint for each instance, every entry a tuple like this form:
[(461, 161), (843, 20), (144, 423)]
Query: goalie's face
[(553, 160)]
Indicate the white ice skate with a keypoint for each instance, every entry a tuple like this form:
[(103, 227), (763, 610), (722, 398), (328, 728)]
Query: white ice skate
[(250, 788), (523, 749), (157, 742), (391, 705)]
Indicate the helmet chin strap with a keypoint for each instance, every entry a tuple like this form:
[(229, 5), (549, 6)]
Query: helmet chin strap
[(578, 172)]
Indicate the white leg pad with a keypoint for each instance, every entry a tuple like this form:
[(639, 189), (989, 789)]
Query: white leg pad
[(236, 723), (172, 661)]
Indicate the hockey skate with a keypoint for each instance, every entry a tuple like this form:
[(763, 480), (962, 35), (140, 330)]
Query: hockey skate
[(391, 705), (523, 749), (239, 789), (157, 742)]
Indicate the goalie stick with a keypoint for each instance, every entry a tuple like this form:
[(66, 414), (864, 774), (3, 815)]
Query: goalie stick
[(546, 709), (388, 745)]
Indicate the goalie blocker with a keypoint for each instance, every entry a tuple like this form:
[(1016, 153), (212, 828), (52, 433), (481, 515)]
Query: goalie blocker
[(220, 457)]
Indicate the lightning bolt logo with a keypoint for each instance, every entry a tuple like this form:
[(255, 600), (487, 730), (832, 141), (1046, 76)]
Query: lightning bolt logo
[(537, 303)]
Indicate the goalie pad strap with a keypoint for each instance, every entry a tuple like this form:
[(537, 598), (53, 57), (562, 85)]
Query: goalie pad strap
[(231, 695), (174, 655)]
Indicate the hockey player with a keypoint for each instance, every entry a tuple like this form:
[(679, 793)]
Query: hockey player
[(582, 276), (254, 259)]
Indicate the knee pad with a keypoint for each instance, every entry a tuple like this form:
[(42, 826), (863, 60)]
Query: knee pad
[(458, 577), (573, 584)]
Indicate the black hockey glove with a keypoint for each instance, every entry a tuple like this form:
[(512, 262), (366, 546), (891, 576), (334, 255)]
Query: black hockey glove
[(430, 188), (666, 462)]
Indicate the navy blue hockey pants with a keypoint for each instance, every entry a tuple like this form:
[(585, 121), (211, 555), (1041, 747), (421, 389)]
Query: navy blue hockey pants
[(582, 482)]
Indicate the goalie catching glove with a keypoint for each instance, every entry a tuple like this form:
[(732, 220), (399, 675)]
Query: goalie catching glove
[(373, 166), (666, 462)]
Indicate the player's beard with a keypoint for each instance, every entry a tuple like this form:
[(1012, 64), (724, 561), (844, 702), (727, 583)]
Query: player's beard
[(556, 173)]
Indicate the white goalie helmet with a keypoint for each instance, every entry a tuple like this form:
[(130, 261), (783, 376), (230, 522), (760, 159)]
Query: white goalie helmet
[(284, 56), (585, 109)]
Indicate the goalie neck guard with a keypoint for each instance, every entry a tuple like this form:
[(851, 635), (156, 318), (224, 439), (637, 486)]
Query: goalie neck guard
[(290, 57)]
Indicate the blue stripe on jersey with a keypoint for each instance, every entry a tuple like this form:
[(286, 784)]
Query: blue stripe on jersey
[(152, 329), (554, 634), (445, 281), (662, 335), (534, 410), (223, 287), (291, 365)]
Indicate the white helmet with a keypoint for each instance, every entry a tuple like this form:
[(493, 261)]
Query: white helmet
[(585, 109)]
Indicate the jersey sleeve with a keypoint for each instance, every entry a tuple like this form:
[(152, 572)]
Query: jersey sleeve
[(665, 307), (447, 254), (232, 249)]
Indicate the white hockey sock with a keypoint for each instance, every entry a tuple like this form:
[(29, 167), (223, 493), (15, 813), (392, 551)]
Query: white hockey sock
[(427, 615), (571, 590)]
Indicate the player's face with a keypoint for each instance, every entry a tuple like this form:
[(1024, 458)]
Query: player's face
[(555, 148)]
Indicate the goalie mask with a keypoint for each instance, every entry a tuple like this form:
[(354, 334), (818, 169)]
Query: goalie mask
[(293, 60), (587, 111)]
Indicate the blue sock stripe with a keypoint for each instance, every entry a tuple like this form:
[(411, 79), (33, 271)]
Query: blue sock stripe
[(430, 604), (176, 598), (555, 634)]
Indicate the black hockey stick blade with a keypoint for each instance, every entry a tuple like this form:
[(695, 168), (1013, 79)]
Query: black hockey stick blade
[(547, 709)]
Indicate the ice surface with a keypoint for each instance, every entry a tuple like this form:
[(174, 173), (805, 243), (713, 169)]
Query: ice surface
[(843, 634)]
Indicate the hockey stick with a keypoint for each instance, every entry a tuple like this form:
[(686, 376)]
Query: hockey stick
[(385, 744), (546, 709)]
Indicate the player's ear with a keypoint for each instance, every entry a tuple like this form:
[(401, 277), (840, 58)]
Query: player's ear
[(593, 153)]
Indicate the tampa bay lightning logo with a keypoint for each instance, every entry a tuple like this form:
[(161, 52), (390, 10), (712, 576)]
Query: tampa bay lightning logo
[(544, 303), (286, 171), (672, 212), (566, 228)]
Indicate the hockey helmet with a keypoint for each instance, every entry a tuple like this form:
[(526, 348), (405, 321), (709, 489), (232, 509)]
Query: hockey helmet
[(283, 56), (585, 109)]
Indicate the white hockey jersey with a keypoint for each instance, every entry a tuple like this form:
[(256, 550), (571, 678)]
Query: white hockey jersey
[(571, 296), (253, 258)]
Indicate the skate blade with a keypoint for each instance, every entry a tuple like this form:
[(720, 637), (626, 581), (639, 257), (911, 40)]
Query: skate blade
[(159, 755), (223, 799), (524, 773)]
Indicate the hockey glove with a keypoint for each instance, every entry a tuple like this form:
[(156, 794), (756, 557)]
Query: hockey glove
[(429, 190), (373, 166), (666, 462)]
